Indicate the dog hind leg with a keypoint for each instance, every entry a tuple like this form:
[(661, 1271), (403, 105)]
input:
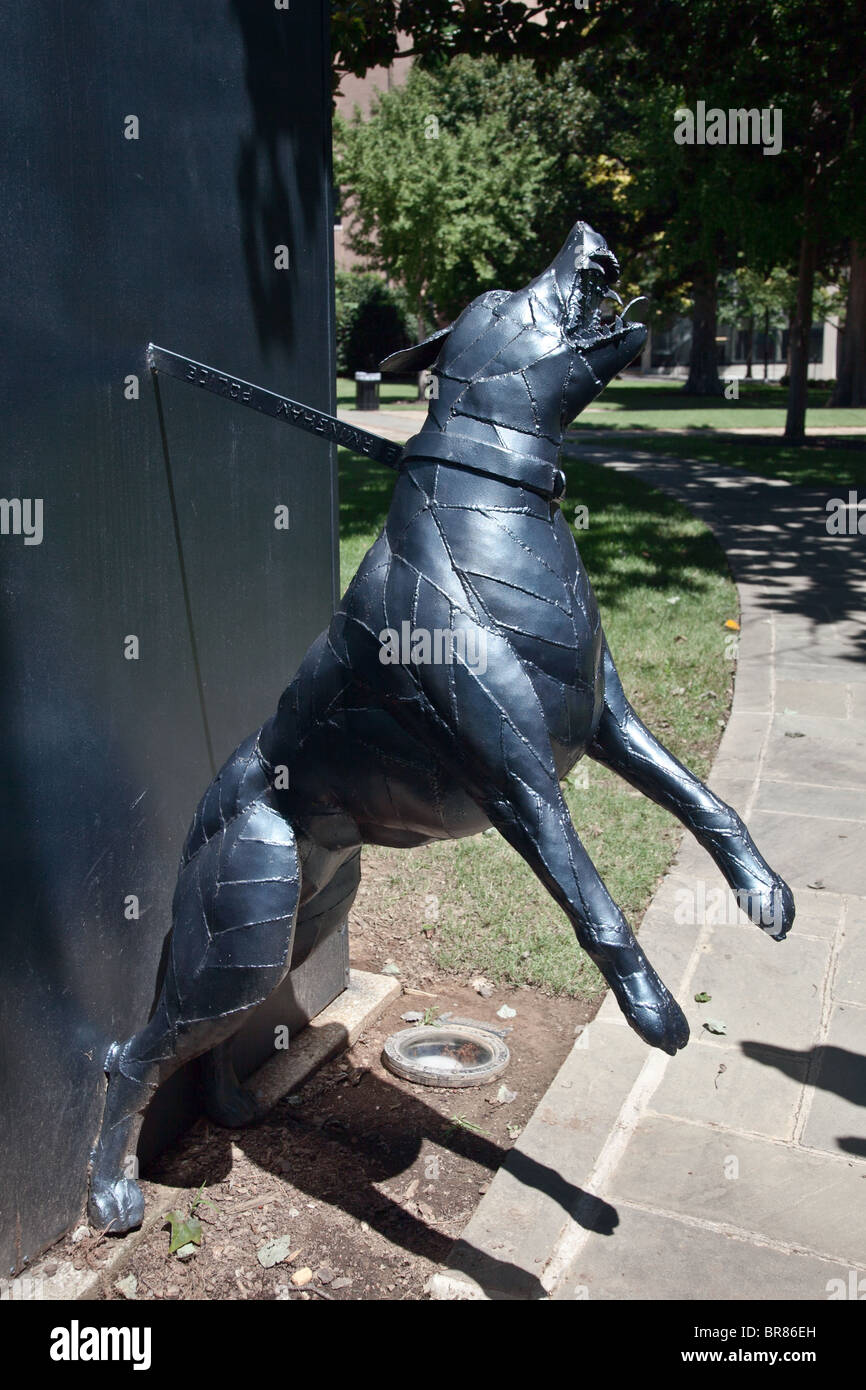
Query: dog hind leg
[(234, 914)]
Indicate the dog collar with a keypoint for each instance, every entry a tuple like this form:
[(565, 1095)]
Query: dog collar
[(475, 456)]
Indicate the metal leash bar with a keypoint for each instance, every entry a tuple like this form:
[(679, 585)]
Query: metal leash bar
[(302, 417)]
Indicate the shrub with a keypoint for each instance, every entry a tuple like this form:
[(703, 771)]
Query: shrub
[(372, 321)]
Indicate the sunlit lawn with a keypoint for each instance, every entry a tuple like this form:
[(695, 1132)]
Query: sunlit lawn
[(654, 405)]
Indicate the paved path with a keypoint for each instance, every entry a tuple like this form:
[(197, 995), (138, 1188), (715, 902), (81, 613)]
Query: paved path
[(738, 1169), (400, 424)]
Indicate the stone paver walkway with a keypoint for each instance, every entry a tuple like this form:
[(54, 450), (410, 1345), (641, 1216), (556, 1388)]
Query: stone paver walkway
[(399, 424), (736, 1170)]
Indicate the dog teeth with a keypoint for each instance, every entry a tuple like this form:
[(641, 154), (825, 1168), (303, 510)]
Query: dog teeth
[(637, 299)]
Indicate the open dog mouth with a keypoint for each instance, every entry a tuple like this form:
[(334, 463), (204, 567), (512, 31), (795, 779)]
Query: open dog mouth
[(604, 315), (598, 314), (608, 321)]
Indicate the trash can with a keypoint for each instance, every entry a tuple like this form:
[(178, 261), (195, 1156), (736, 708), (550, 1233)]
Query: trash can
[(367, 390)]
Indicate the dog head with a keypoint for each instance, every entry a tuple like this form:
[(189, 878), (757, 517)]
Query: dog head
[(577, 289)]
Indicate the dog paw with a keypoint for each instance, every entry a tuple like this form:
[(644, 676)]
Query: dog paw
[(651, 1009), (116, 1206), (660, 1022), (234, 1108), (769, 906)]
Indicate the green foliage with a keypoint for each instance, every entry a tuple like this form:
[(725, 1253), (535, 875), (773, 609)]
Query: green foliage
[(747, 294), (468, 178), (444, 202), (372, 321), (593, 94), (364, 32), (185, 1230)]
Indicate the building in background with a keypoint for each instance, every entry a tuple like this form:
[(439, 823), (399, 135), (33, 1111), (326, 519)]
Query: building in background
[(359, 91), (667, 349)]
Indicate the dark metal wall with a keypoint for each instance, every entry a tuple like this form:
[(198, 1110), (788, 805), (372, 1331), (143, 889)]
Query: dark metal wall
[(107, 242)]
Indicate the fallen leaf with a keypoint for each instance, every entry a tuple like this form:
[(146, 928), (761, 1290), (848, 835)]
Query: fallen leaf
[(715, 1025), (703, 998), (274, 1251), (184, 1231)]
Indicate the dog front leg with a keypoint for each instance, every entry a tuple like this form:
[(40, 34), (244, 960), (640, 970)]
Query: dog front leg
[(536, 823), (488, 730), (624, 743)]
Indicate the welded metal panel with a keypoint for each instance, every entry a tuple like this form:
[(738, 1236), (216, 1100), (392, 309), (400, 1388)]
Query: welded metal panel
[(107, 242)]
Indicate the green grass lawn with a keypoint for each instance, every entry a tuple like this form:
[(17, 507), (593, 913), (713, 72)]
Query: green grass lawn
[(654, 405), (391, 394), (829, 462), (665, 593), (650, 404)]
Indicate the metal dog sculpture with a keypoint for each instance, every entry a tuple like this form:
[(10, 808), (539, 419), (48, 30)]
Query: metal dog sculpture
[(365, 750)]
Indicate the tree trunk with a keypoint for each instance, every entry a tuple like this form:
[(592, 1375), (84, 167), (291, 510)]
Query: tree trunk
[(750, 345), (850, 386), (703, 377), (766, 344), (795, 421), (423, 378)]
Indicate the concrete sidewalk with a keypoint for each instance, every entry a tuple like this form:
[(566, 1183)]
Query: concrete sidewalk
[(399, 424), (736, 1170)]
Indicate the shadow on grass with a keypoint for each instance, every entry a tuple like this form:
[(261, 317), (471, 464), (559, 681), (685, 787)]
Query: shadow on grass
[(828, 460), (671, 396), (637, 536), (365, 495)]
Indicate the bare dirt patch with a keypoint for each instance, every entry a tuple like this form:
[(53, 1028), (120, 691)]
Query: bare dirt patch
[(366, 1179)]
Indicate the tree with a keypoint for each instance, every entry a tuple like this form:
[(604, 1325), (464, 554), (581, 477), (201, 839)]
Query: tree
[(447, 192), (801, 61), (697, 206), (851, 379), (364, 32), (763, 301), (371, 321)]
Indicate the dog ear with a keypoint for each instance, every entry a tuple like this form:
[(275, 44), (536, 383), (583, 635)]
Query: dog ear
[(419, 356)]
